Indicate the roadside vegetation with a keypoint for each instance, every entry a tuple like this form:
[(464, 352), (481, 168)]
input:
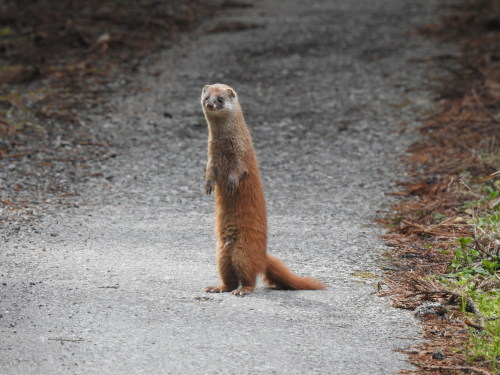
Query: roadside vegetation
[(445, 233), (474, 274)]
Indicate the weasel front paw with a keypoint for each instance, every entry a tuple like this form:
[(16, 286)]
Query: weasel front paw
[(209, 187)]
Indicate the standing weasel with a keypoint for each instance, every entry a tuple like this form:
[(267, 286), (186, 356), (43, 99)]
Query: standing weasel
[(240, 208)]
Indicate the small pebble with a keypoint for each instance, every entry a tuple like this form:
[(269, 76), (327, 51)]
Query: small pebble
[(439, 355)]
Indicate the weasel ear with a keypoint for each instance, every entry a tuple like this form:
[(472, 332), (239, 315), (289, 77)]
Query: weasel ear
[(231, 93), (205, 88)]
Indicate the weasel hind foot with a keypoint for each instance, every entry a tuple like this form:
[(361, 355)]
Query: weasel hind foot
[(243, 291)]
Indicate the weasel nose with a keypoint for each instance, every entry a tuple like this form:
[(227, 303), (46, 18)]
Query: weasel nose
[(210, 105)]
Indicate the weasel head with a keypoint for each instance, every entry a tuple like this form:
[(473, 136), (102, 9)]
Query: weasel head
[(219, 100)]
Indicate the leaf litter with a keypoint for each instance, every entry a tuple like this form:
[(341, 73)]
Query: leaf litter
[(459, 142)]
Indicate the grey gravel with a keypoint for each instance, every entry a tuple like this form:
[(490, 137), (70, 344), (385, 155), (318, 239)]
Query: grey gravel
[(109, 281)]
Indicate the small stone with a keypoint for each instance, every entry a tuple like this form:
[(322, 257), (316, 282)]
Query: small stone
[(430, 308), (438, 355)]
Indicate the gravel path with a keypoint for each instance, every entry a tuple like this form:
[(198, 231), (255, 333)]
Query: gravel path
[(111, 283)]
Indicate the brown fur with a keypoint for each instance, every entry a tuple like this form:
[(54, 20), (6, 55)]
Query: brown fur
[(240, 209)]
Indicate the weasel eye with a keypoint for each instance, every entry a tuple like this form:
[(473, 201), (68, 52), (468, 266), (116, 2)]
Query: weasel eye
[(220, 99), (208, 97)]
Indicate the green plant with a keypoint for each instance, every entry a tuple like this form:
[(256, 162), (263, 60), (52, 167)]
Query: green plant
[(485, 344), (473, 261), (475, 265)]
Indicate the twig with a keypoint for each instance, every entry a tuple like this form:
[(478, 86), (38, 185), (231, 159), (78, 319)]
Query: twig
[(463, 183), (445, 292), (429, 229), (493, 175), (456, 368), (470, 323)]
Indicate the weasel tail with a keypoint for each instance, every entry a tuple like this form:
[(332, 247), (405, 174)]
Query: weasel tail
[(232, 173), (281, 277)]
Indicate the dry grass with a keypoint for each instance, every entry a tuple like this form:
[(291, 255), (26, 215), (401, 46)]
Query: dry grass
[(459, 143)]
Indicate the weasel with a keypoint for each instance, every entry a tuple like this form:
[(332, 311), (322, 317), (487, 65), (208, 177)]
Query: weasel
[(240, 209)]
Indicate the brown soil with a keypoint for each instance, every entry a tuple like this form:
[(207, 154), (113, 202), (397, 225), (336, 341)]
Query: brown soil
[(460, 142)]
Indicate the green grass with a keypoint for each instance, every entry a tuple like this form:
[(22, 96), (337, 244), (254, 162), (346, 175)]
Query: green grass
[(485, 344), (475, 268)]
